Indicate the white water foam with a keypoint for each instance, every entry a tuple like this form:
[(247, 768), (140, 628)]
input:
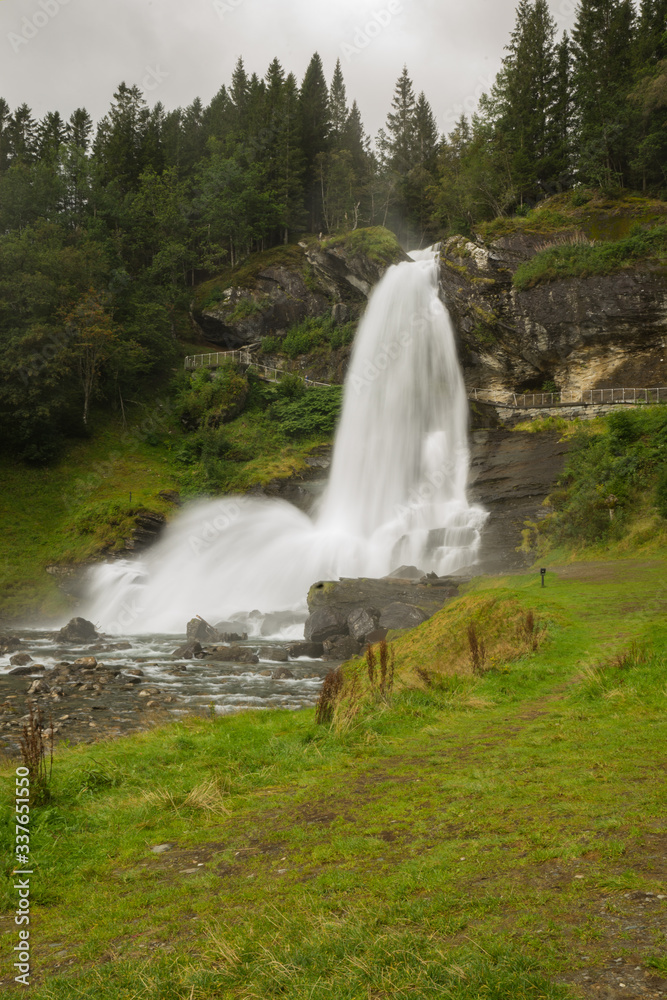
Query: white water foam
[(396, 493)]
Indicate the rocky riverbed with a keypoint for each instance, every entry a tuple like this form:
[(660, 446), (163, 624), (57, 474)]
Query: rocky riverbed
[(112, 687)]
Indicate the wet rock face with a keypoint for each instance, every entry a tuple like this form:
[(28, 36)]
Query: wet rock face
[(596, 332), (316, 280)]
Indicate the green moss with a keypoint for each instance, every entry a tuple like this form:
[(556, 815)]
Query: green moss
[(581, 260), (377, 243)]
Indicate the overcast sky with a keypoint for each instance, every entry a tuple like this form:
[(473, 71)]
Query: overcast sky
[(63, 54)]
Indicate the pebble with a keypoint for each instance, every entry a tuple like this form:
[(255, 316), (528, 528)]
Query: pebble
[(162, 848)]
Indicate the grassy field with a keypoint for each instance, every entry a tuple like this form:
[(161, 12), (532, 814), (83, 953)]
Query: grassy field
[(497, 834)]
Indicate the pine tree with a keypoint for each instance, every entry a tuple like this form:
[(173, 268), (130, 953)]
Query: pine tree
[(651, 45), (401, 143), (338, 108), (426, 131), (5, 119), (602, 76), (22, 134), (315, 130), (79, 129), (522, 103), (119, 142), (51, 135)]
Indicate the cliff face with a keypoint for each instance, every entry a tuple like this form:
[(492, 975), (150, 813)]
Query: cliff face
[(579, 333), (278, 289)]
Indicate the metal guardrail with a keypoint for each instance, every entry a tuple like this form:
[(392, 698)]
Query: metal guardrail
[(244, 357), (571, 397), (194, 361)]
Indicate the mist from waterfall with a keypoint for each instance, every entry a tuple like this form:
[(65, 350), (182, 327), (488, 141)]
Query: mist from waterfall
[(396, 493)]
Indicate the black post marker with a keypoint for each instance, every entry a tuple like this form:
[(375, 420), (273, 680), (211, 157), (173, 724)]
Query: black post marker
[(544, 573)]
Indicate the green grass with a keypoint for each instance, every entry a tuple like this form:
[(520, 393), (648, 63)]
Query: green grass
[(376, 243), (474, 838), (585, 260)]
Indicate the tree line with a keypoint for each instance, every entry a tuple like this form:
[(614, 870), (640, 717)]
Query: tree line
[(105, 228)]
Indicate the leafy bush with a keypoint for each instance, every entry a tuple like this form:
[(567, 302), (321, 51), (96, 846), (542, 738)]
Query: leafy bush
[(583, 260), (212, 398), (309, 336), (608, 473), (661, 492), (316, 411)]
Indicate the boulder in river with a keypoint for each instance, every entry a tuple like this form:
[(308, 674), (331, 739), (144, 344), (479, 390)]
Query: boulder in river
[(85, 663), (325, 623), (20, 659), (198, 630), (313, 650), (276, 653), (190, 651), (233, 654), (9, 644), (78, 630), (282, 674)]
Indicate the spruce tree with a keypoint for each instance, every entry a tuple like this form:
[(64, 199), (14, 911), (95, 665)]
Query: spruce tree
[(523, 100), (22, 134), (80, 129), (5, 118), (401, 142), (338, 108), (315, 130), (602, 76)]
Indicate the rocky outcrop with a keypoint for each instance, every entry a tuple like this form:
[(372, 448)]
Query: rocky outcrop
[(575, 333), (284, 286), (348, 614)]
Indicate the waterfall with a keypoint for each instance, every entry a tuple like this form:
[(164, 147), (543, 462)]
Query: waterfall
[(396, 493)]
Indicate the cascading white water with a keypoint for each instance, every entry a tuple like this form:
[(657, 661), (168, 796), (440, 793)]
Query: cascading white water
[(396, 493)]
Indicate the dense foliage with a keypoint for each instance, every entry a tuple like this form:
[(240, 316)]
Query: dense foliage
[(106, 230), (611, 474)]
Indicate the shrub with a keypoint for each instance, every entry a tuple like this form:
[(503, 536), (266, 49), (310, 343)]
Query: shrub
[(212, 398), (314, 412)]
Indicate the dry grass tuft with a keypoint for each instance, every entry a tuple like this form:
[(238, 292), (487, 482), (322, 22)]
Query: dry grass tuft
[(32, 744)]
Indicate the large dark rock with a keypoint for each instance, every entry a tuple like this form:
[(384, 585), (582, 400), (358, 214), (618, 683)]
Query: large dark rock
[(361, 623), (20, 659), (346, 596), (325, 623), (198, 630), (233, 654), (190, 651), (401, 616), (343, 648), (9, 644), (79, 631), (312, 650)]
